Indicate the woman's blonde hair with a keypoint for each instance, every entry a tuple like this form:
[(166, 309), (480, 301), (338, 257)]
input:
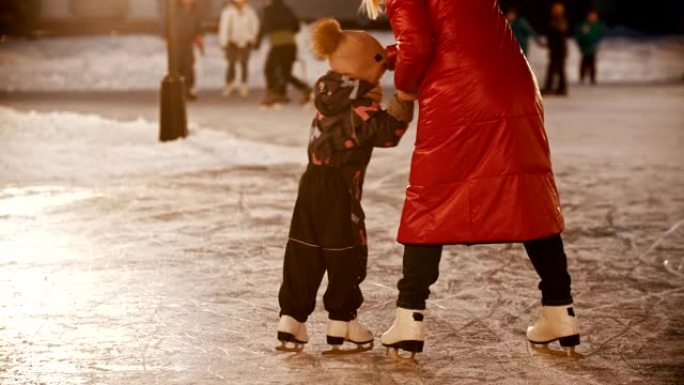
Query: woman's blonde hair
[(372, 8)]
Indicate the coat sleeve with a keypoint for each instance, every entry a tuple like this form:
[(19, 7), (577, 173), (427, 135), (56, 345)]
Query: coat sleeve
[(383, 128), (255, 27), (224, 28), (410, 21)]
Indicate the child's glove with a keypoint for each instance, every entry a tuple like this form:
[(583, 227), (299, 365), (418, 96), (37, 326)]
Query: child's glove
[(375, 94), (400, 109)]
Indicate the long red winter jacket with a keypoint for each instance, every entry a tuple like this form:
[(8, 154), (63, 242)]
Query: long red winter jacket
[(481, 169)]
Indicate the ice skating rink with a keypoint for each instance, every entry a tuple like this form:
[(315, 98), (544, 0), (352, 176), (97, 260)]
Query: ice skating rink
[(125, 261)]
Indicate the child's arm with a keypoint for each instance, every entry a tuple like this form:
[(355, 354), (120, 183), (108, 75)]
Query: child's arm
[(384, 128)]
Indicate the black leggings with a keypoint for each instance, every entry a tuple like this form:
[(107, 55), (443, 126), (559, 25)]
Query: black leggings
[(240, 56), (421, 269)]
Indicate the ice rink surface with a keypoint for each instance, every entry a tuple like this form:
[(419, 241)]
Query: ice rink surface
[(126, 261)]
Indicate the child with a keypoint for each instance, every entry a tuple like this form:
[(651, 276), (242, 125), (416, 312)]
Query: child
[(238, 32), (589, 34), (327, 232)]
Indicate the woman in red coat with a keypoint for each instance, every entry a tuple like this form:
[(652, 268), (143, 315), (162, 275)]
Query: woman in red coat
[(481, 169)]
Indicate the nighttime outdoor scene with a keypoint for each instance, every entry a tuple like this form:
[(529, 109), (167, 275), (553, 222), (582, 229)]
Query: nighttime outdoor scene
[(341, 192)]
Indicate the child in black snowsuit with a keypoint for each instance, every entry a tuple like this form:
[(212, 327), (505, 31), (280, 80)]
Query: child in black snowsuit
[(327, 232)]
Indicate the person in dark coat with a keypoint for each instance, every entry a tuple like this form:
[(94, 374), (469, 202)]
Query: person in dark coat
[(588, 35), (188, 28), (556, 37), (280, 25), (327, 233)]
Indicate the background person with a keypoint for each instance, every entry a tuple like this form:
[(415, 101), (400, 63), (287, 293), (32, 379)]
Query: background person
[(589, 34), (556, 36), (281, 26), (521, 28), (238, 33), (189, 30)]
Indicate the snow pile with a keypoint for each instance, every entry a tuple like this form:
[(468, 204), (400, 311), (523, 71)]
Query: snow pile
[(139, 62), (68, 146)]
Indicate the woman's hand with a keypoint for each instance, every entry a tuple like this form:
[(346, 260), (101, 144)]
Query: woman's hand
[(407, 97)]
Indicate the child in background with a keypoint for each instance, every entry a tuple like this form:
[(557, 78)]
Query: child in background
[(238, 33), (589, 34), (327, 233)]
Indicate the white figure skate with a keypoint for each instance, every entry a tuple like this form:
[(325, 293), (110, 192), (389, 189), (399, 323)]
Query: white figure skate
[(292, 335), (406, 333), (555, 323), (353, 331)]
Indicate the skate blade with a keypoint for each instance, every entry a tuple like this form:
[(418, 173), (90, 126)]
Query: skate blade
[(337, 350), (544, 349), (395, 355), (289, 347)]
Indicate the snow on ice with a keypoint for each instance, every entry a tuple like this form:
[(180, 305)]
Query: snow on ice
[(70, 146)]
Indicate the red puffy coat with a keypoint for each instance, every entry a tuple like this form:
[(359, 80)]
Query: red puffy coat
[(481, 169)]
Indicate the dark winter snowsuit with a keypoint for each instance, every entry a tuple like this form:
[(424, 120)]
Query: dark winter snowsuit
[(327, 232), (280, 25), (558, 51)]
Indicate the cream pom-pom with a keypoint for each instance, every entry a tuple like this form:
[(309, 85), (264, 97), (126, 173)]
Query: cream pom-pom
[(326, 35)]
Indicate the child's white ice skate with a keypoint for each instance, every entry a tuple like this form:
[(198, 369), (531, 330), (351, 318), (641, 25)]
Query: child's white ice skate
[(555, 323), (353, 331), (406, 333), (291, 334)]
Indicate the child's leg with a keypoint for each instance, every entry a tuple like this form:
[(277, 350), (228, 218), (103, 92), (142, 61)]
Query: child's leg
[(346, 270), (304, 264), (231, 55), (244, 64), (550, 262), (421, 269), (303, 271)]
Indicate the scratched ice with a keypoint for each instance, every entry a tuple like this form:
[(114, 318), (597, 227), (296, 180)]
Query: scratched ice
[(125, 261)]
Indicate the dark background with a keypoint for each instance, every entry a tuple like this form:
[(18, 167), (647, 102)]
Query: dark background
[(646, 16), (625, 17)]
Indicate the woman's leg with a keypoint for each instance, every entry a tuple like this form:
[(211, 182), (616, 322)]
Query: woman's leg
[(550, 262), (421, 269)]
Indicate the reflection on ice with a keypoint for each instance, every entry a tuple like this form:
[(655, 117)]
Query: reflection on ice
[(31, 201), (672, 246)]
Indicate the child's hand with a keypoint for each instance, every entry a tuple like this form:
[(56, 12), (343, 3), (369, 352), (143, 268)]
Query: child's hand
[(375, 94), (405, 96), (400, 109)]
